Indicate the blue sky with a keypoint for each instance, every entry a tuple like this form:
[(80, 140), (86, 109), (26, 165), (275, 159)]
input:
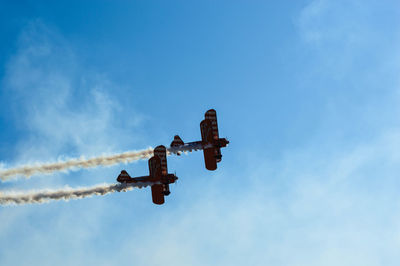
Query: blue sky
[(306, 92)]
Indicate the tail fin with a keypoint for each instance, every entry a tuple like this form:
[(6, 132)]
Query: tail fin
[(177, 141), (123, 176)]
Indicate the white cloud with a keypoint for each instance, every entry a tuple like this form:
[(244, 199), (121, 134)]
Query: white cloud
[(324, 21), (351, 37), (326, 204), (63, 109), (335, 207), (332, 202)]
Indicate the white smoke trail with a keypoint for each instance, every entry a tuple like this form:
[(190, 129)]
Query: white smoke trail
[(65, 194), (74, 164)]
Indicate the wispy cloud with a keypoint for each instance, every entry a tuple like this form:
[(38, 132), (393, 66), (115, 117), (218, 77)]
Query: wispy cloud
[(62, 106), (330, 202), (323, 207), (63, 110), (350, 37)]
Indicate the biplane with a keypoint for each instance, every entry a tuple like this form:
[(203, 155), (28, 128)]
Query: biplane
[(158, 176), (210, 143)]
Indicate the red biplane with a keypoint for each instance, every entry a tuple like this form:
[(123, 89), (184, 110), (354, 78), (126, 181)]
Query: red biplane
[(210, 142), (158, 176)]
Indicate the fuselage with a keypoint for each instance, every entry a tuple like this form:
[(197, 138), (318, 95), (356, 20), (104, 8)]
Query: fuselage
[(198, 145), (165, 179)]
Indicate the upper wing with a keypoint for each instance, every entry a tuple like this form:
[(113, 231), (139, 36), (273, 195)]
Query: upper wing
[(161, 152), (212, 116), (155, 167), (207, 138), (207, 135), (158, 168)]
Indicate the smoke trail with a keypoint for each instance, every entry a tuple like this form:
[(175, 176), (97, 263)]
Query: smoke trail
[(73, 164), (65, 194)]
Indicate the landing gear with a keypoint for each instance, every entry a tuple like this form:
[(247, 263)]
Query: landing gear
[(166, 191)]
